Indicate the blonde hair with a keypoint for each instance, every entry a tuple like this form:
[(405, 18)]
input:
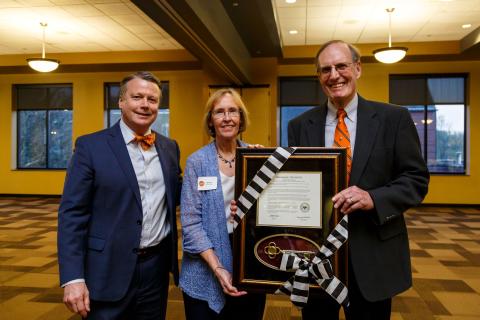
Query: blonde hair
[(212, 101)]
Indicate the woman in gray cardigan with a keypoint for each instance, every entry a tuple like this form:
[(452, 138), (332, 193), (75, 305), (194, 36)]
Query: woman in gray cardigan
[(208, 189)]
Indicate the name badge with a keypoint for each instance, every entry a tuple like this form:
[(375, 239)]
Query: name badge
[(207, 183)]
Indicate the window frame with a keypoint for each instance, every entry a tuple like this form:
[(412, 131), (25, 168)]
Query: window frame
[(17, 110), (426, 104), (320, 98)]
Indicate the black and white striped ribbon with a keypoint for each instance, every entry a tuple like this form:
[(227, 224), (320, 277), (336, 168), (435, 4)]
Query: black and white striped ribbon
[(263, 177), (320, 269)]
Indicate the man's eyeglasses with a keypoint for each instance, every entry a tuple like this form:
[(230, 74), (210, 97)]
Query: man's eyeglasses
[(339, 67), (223, 114)]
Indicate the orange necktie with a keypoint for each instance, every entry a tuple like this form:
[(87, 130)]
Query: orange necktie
[(342, 138), (145, 141)]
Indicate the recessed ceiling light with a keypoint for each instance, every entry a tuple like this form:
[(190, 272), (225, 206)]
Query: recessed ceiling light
[(293, 31), (290, 1), (466, 25)]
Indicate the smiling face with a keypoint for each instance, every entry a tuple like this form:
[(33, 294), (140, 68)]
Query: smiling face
[(139, 104), (225, 118), (339, 86)]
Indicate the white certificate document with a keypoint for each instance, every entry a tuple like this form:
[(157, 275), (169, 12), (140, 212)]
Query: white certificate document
[(292, 199)]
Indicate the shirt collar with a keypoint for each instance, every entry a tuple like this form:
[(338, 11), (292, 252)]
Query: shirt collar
[(350, 109), (128, 133)]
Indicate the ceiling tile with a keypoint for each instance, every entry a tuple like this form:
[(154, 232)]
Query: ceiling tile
[(10, 4), (114, 8), (283, 3), (35, 3), (103, 1), (289, 24), (144, 29), (323, 12), (82, 10), (291, 13), (129, 19), (68, 2)]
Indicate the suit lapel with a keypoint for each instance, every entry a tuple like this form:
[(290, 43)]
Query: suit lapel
[(163, 157), (315, 130), (367, 127), (117, 144)]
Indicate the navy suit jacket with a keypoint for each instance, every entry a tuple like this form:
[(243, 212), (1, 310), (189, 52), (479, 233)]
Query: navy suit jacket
[(100, 214), (387, 162)]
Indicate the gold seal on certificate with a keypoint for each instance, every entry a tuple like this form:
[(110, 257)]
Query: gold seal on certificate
[(291, 213)]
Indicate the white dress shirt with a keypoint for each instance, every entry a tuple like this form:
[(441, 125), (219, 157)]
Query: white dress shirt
[(148, 171), (350, 121)]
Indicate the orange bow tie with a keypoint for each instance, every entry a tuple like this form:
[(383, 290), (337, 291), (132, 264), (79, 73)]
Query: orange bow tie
[(145, 141)]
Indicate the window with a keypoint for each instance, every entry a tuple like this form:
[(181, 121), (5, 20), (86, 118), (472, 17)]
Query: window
[(438, 108), (161, 124), (297, 95), (44, 125)]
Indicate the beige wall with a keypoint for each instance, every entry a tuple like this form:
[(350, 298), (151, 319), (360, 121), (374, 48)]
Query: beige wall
[(188, 93)]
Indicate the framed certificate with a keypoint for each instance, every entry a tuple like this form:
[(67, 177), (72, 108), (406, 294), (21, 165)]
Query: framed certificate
[(291, 199), (294, 213)]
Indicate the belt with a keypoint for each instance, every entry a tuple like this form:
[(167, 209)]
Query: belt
[(148, 251)]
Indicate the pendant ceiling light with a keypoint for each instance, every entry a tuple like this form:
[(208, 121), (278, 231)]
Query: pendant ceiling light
[(43, 64), (390, 54)]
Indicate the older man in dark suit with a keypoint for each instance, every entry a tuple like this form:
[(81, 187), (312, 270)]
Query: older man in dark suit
[(117, 235), (387, 176)]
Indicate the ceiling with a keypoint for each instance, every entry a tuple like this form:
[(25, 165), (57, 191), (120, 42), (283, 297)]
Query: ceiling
[(119, 25), (224, 35), (78, 26), (366, 21)]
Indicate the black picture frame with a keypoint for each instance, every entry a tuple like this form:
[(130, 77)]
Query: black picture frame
[(251, 241)]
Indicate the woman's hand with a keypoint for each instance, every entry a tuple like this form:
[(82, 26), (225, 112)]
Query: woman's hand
[(255, 146), (233, 210), (225, 279), (222, 274)]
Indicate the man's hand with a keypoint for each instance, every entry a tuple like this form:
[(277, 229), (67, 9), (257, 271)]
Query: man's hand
[(76, 298), (351, 199), (225, 279)]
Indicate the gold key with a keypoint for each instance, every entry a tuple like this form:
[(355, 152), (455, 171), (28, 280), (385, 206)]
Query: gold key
[(272, 250)]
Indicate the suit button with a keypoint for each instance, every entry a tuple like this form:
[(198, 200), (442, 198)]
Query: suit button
[(139, 222), (135, 250)]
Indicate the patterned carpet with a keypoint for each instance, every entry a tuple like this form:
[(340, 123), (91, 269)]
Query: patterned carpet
[(445, 247)]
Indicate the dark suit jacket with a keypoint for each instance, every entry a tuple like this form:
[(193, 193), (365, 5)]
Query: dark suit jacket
[(100, 215), (387, 162)]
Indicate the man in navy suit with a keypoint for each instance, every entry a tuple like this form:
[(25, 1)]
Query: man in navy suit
[(117, 234), (388, 176)]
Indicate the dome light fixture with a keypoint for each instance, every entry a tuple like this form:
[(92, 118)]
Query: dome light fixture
[(390, 54), (43, 64)]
